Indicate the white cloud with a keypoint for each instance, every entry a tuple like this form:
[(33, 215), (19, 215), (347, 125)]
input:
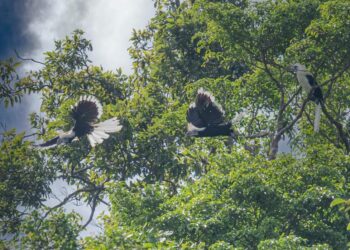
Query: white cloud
[(107, 23)]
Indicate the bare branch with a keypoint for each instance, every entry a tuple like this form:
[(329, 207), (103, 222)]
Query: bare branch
[(93, 208), (103, 201), (30, 135), (251, 149), (291, 99), (27, 59), (258, 135), (280, 132), (279, 85), (338, 126), (173, 185), (66, 199), (3, 126), (323, 134)]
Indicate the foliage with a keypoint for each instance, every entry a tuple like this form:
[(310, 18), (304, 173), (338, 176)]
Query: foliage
[(60, 231), (290, 242), (24, 180), (240, 202), (169, 191), (344, 205), (9, 94)]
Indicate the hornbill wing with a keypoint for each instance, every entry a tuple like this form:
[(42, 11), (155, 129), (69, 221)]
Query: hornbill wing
[(49, 143), (102, 130), (193, 116), (311, 79), (85, 112), (209, 111), (213, 115), (317, 91)]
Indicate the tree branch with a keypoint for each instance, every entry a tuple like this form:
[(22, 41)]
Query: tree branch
[(323, 134), (258, 135), (280, 132), (336, 76), (338, 126), (27, 59), (291, 99), (93, 208), (173, 185), (70, 196)]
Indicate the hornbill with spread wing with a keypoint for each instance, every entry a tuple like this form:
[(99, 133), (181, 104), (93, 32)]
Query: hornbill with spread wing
[(205, 117), (85, 113)]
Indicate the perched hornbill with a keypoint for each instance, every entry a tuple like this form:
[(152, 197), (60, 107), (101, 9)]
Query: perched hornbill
[(206, 117), (85, 114), (308, 83)]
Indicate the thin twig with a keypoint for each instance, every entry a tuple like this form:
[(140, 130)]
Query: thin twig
[(93, 208), (30, 135), (338, 126), (291, 99), (27, 59), (312, 124), (258, 135), (66, 199), (287, 127), (336, 76)]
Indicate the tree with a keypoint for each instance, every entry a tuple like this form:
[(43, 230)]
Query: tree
[(169, 191), (9, 93), (241, 201), (263, 38), (25, 181), (60, 231)]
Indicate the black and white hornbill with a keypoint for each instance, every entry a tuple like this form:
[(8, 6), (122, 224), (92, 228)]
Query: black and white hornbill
[(308, 83), (205, 117), (85, 113)]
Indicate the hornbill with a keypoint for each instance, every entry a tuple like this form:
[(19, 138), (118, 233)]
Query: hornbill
[(85, 113), (206, 117), (308, 83)]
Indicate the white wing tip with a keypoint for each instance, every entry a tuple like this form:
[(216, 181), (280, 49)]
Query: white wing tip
[(91, 140), (103, 129), (191, 127)]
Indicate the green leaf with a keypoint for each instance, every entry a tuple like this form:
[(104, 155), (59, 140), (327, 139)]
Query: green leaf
[(337, 201)]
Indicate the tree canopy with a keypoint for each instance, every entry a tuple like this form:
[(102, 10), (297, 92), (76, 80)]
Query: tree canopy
[(166, 190)]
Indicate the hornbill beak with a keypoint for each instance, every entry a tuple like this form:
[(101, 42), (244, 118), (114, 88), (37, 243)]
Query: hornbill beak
[(290, 68)]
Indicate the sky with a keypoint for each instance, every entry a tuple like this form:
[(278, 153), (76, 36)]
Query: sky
[(31, 26)]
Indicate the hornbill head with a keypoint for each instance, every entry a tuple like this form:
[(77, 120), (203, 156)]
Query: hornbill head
[(296, 67)]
